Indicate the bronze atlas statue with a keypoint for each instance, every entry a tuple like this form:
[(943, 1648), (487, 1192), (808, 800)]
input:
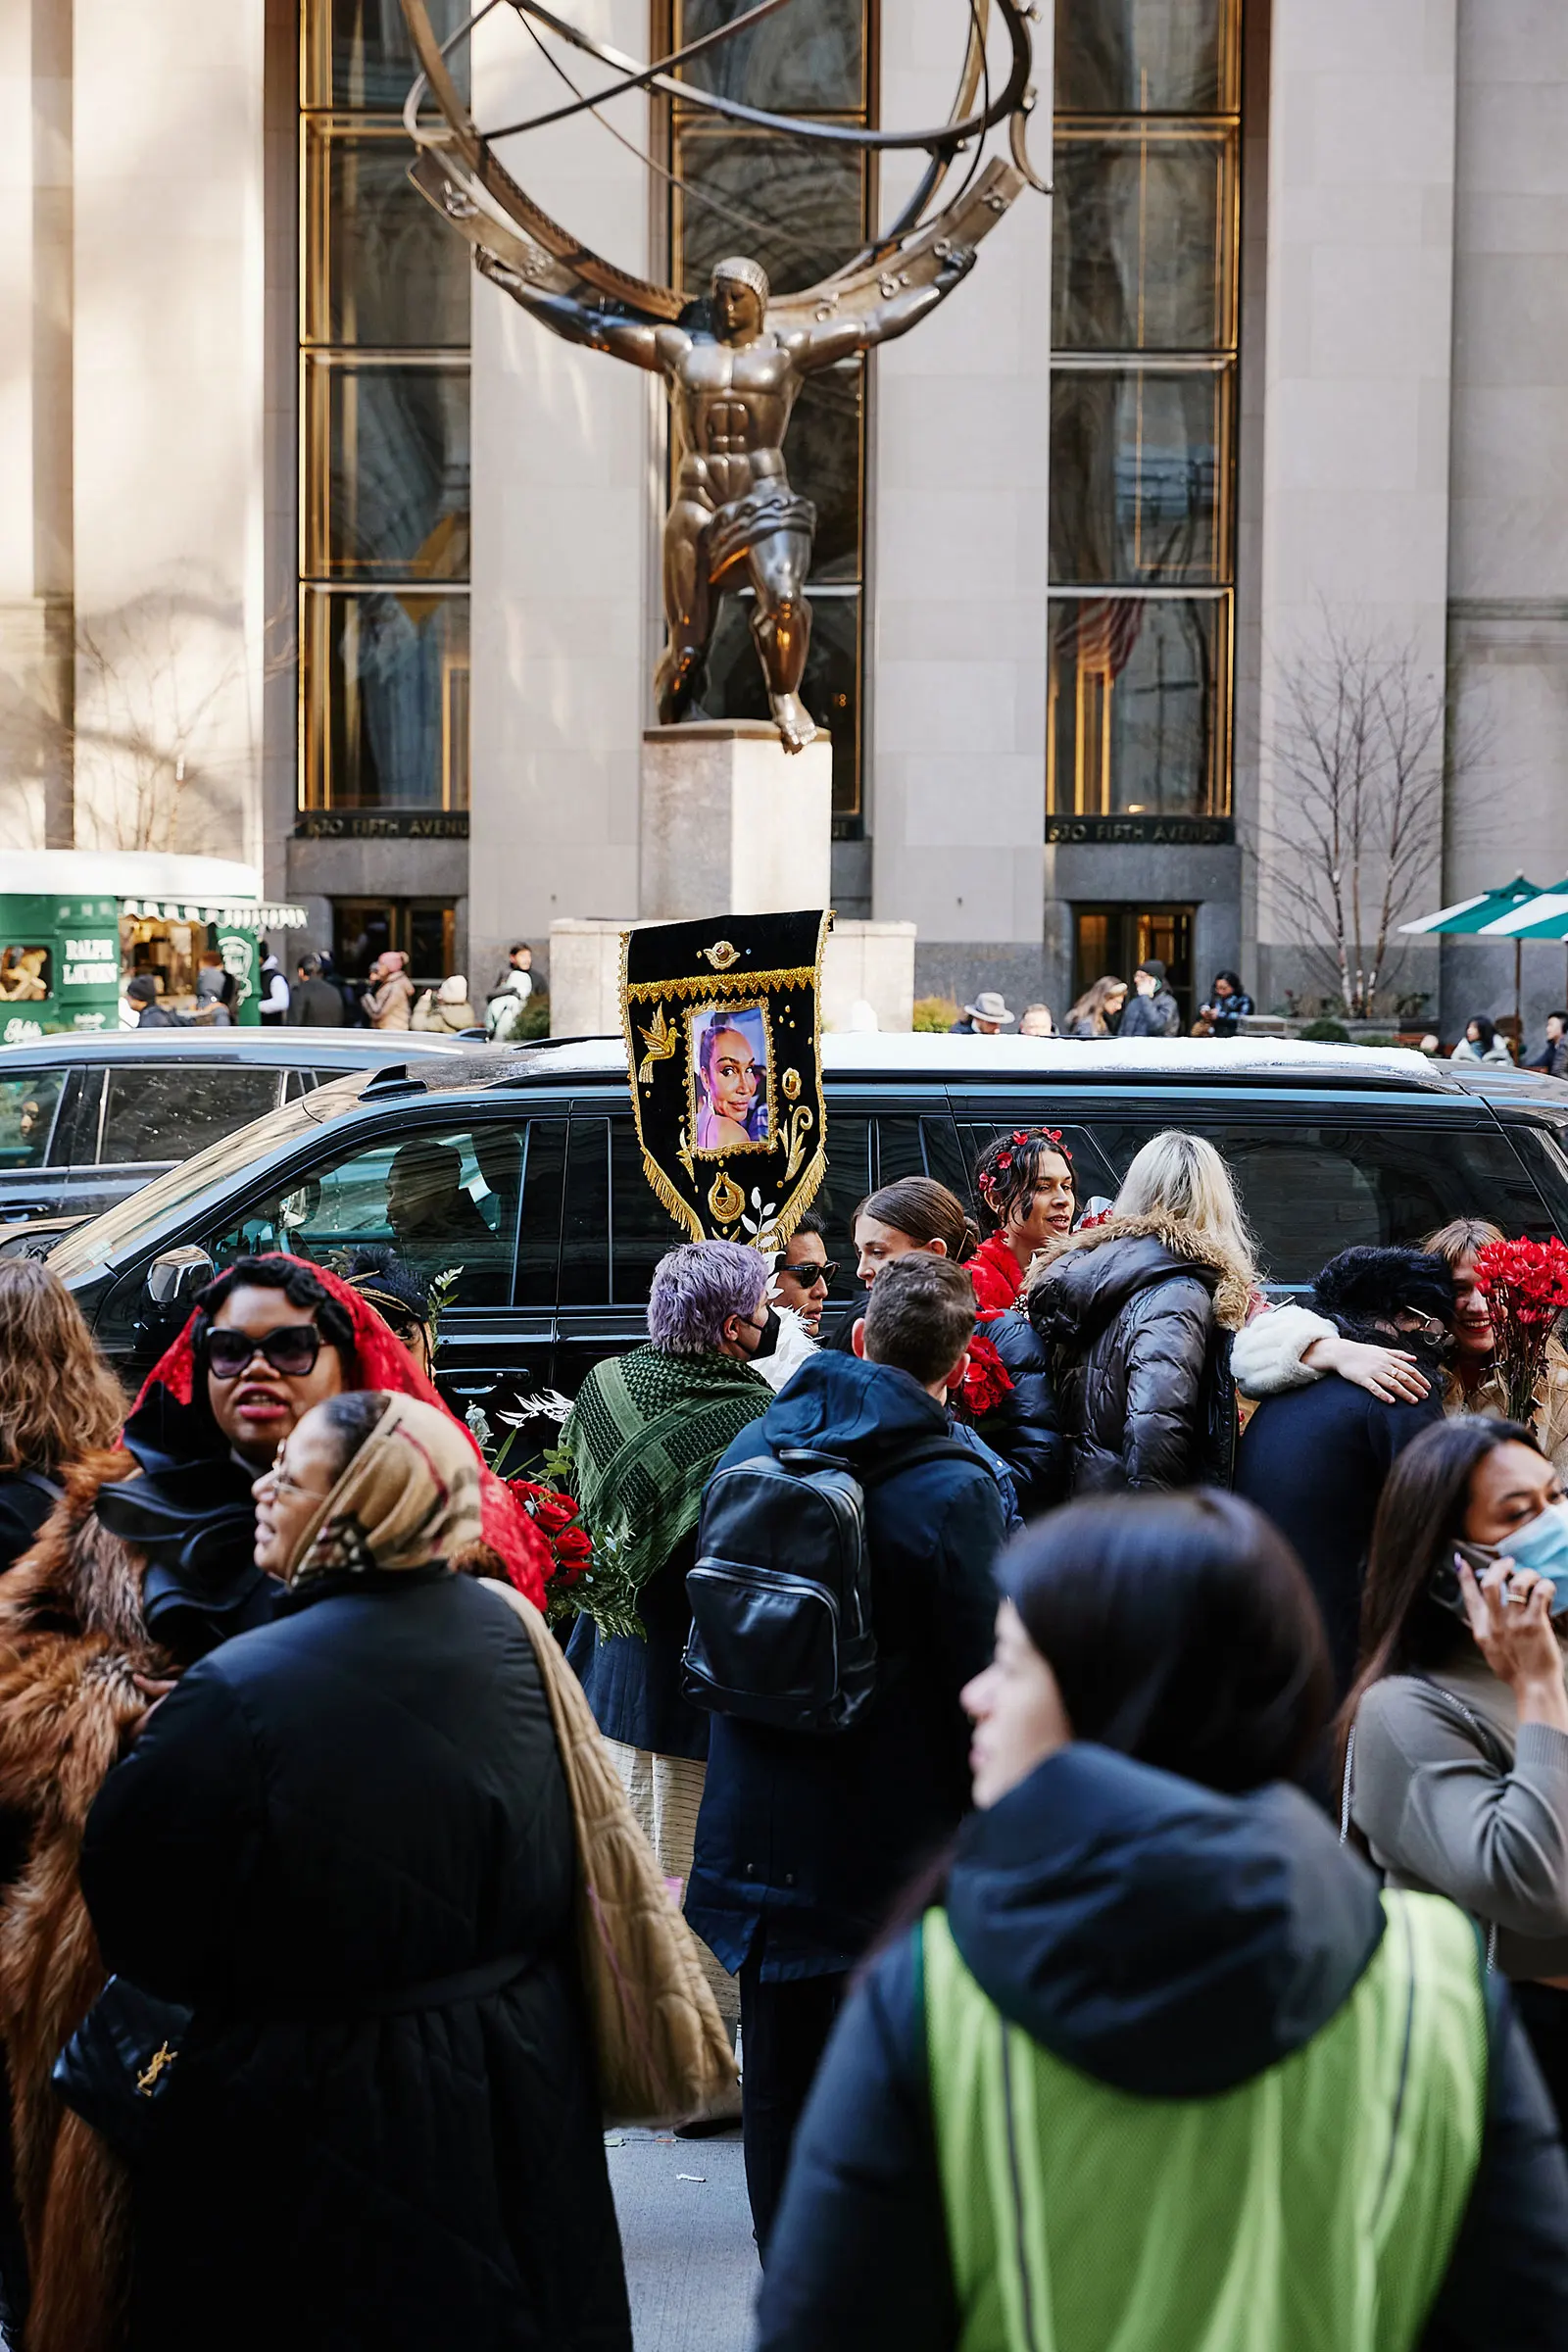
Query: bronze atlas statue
[(734, 365)]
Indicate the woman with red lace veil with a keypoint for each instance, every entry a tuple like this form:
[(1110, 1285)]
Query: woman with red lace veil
[(145, 1566)]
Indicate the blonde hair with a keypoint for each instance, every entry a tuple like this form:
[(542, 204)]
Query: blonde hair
[(1090, 1006), (1182, 1176), (58, 1398), (1461, 1239)]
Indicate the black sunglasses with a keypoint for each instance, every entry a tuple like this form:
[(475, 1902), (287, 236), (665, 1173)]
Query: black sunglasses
[(291, 1348), (810, 1274)]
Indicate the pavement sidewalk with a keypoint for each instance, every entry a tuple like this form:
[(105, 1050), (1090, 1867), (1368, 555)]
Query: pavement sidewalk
[(686, 2227)]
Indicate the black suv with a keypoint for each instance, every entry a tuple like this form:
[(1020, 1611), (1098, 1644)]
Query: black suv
[(528, 1183), (86, 1121)]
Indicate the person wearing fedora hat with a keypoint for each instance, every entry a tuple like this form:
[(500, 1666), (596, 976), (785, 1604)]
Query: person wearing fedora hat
[(1153, 1011), (986, 1016)]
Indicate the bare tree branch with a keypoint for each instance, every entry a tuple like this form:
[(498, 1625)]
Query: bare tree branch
[(1359, 765)]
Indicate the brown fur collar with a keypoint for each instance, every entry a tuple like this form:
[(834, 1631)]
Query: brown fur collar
[(77, 1578), (71, 1640), (1232, 1292)]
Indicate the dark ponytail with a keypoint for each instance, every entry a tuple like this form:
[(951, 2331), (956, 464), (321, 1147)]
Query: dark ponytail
[(925, 1210)]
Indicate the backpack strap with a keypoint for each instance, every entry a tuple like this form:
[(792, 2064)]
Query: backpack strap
[(41, 1483)]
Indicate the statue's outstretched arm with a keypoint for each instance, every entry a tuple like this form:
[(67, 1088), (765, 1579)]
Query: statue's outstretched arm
[(822, 346), (594, 324)]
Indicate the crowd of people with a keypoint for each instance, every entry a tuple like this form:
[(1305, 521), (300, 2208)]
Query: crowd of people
[(1105, 1738), (1108, 1008), (319, 996)]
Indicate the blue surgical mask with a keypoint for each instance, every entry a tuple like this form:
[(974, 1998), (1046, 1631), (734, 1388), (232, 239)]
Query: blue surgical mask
[(1541, 1544)]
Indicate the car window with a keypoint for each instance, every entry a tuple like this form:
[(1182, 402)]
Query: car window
[(642, 1227), (167, 1114), (585, 1221), (916, 1147), (1313, 1190), (28, 1107), (445, 1202), (843, 1189)]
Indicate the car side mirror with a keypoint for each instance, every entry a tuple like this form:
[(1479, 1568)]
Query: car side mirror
[(179, 1274)]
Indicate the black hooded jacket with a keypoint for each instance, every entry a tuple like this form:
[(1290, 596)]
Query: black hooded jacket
[(1138, 1315), (1172, 1943), (804, 1840)]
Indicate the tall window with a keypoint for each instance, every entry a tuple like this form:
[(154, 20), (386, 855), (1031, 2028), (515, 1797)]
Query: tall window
[(383, 433), (1143, 408), (800, 209)]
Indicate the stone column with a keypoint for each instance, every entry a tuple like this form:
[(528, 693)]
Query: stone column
[(35, 536), (958, 477), (168, 424), (1355, 484), (563, 486)]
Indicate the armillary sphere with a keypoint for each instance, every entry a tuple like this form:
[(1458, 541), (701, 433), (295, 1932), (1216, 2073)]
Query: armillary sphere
[(460, 173)]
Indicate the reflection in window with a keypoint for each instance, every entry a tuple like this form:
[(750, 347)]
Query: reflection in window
[(388, 724), (1138, 719), (384, 405), (1143, 230), (388, 494), (807, 60), (358, 52), (1139, 477), (802, 210), (385, 271), (1153, 57)]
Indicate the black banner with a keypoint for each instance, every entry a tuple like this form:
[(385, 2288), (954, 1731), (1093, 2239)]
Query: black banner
[(723, 1040)]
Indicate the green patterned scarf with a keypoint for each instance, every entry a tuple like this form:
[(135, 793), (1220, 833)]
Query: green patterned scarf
[(644, 1436)]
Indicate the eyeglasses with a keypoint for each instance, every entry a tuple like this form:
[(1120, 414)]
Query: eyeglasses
[(810, 1274), (281, 1481), (291, 1350)]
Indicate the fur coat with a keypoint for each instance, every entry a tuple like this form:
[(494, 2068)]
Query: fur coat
[(71, 1639), (1138, 1314)]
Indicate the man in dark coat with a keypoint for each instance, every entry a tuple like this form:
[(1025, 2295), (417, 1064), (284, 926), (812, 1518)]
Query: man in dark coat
[(804, 1840), (1152, 1010), (315, 1004), (1314, 1459), (382, 2130)]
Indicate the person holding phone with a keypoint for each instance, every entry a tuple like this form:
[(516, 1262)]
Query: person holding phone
[(1453, 1741)]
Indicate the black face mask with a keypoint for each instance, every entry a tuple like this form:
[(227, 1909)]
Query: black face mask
[(768, 1341)]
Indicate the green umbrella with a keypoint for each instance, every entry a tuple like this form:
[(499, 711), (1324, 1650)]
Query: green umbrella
[(1545, 916), (1487, 914), (1476, 914)]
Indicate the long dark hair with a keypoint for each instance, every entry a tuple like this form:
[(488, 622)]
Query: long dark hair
[(1181, 1630), (923, 1210), (1007, 1173), (1420, 1518)]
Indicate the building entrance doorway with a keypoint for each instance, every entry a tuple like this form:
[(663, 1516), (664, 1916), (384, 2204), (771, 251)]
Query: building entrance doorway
[(424, 930), (1117, 939)]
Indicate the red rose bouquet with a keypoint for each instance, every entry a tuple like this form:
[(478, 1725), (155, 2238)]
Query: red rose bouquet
[(572, 1550), (987, 1381), (1525, 1284)]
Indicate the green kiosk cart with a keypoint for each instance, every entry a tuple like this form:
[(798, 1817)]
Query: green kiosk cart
[(76, 924)]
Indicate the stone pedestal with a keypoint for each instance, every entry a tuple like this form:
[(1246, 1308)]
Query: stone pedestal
[(732, 823)]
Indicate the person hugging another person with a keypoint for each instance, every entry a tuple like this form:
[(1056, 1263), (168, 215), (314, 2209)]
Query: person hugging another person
[(1138, 1314)]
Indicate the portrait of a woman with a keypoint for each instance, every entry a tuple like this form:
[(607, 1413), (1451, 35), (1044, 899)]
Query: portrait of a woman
[(729, 1075)]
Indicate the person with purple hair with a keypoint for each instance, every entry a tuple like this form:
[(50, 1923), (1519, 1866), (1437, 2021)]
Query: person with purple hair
[(643, 1437)]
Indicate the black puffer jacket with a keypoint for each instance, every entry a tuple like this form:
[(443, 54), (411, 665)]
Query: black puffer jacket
[(1138, 1314), (331, 1840), (1025, 1427)]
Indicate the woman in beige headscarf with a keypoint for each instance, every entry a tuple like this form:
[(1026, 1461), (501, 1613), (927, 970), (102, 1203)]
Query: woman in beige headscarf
[(346, 1843)]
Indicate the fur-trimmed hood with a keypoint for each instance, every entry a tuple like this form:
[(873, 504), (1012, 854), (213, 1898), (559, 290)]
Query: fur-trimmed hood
[(1076, 1286)]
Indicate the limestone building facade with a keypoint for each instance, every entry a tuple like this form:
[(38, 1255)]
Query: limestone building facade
[(318, 552)]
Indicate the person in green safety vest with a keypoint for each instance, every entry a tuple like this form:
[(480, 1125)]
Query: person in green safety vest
[(1154, 2064)]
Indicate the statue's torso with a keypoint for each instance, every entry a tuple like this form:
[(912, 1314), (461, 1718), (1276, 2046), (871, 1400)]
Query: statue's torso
[(731, 410)]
